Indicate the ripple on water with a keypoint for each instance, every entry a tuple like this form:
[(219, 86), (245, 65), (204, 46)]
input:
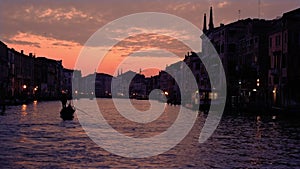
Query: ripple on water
[(34, 136)]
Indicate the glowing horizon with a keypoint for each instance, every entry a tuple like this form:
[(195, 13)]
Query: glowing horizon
[(58, 30)]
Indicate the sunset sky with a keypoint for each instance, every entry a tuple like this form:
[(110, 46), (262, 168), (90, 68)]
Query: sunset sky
[(59, 29)]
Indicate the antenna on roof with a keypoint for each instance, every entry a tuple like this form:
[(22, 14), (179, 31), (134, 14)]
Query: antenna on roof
[(239, 14)]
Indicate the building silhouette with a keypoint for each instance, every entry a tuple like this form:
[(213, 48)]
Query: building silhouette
[(260, 59), (283, 52), (48, 75)]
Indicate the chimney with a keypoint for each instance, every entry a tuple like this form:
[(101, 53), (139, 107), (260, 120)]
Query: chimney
[(211, 22), (22, 51), (204, 23), (30, 54)]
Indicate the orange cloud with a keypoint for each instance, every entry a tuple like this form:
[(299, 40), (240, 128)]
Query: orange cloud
[(112, 60), (46, 46), (222, 4)]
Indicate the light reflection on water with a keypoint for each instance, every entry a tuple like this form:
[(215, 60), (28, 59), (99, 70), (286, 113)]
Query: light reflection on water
[(23, 110), (34, 136)]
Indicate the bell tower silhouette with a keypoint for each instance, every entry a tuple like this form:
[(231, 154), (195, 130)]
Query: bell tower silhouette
[(204, 23), (211, 22)]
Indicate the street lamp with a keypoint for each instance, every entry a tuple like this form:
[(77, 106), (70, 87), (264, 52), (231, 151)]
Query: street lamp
[(24, 86)]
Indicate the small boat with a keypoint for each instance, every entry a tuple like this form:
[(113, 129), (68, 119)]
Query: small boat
[(67, 113)]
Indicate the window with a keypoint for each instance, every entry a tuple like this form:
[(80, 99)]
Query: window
[(275, 61), (283, 61), (285, 37), (277, 42)]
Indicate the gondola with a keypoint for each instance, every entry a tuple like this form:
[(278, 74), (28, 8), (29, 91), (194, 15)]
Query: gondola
[(67, 113)]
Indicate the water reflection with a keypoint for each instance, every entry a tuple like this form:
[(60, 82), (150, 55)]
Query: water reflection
[(23, 110), (42, 140), (258, 131)]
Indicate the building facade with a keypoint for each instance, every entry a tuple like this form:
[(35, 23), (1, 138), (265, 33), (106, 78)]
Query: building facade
[(284, 72), (96, 85), (242, 47), (21, 75), (48, 76), (4, 76)]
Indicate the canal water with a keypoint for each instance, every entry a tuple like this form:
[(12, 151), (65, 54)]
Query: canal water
[(34, 136)]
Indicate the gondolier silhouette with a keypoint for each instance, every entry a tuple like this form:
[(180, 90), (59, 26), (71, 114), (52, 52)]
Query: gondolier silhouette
[(64, 99), (67, 112)]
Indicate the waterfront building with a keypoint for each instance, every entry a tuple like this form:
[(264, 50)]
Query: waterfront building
[(151, 84), (21, 74), (175, 79), (242, 48), (103, 85), (130, 84), (48, 75), (252, 61), (284, 72), (96, 85), (138, 87), (67, 81), (225, 40), (70, 82), (4, 76), (87, 85), (195, 64), (164, 82), (76, 80)]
